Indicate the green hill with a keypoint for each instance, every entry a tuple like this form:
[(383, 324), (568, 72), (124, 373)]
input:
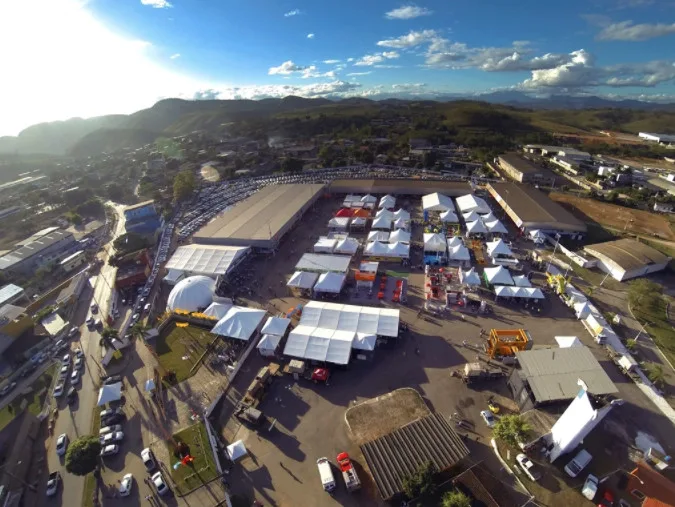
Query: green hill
[(107, 140)]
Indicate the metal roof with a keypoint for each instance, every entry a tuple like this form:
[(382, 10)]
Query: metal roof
[(627, 253), (552, 374), (206, 260), (33, 248), (9, 292), (323, 263), (401, 453)]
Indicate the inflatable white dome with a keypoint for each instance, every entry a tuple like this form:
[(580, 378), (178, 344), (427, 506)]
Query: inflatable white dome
[(192, 294)]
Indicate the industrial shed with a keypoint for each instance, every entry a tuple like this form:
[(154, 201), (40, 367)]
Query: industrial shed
[(207, 260), (401, 453), (627, 258)]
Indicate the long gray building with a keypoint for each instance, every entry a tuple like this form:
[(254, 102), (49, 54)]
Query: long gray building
[(37, 251)]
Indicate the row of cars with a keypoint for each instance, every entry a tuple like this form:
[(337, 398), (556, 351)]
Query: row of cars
[(65, 374)]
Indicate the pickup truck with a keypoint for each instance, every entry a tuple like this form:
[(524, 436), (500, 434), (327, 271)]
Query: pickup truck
[(349, 475)]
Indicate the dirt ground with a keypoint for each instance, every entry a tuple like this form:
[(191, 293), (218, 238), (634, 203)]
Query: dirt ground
[(616, 217), (380, 416)]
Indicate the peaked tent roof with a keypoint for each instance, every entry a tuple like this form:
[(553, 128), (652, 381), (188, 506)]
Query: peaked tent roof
[(434, 242), (476, 227), (437, 202), (381, 222), (325, 245), (303, 280), (470, 202), (239, 322), (108, 393), (385, 213), (521, 281), (217, 310), (369, 198), (269, 342), (498, 247), (339, 222), (471, 216), (387, 202), (330, 282), (358, 221), (490, 217), (459, 253), (449, 217), (399, 235), (401, 223), (565, 342), (236, 450), (454, 241), (469, 277), (276, 326), (376, 248), (401, 213), (398, 249), (378, 236), (498, 275), (495, 226), (347, 246)]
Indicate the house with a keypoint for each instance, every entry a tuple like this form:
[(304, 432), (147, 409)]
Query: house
[(662, 207), (419, 144), (649, 486)]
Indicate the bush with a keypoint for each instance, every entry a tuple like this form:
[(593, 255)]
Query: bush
[(82, 455), (420, 483), (455, 499), (511, 429)]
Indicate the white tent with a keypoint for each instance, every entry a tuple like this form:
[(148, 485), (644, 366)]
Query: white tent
[(237, 450), (150, 385), (268, 344), (339, 223), (495, 227), (476, 227), (454, 241), (498, 247), (192, 294), (437, 202), (276, 326), (472, 202), (583, 309), (532, 292), (400, 250), (449, 217), (469, 277), (399, 235), (401, 213), (376, 248), (108, 393), (330, 282), (347, 246), (382, 222), (537, 236), (574, 295), (490, 217), (504, 291), (471, 216), (325, 245), (382, 236), (565, 342), (498, 275), (303, 280), (521, 281), (364, 341), (387, 202), (434, 242), (459, 253), (239, 322), (174, 276), (217, 310), (369, 198), (385, 213), (358, 222), (401, 223)]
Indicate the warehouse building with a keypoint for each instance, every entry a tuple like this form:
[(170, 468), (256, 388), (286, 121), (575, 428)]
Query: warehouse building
[(524, 171), (400, 187), (261, 220), (532, 210), (657, 138), (37, 251), (627, 258)]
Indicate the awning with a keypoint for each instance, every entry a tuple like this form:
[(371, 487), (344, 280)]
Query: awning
[(217, 310), (400, 236), (434, 243), (237, 450), (347, 246), (330, 282), (382, 222), (469, 277), (498, 275), (276, 325), (325, 245), (269, 342), (109, 393), (303, 280)]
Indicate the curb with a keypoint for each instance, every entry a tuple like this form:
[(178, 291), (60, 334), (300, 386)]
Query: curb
[(506, 466)]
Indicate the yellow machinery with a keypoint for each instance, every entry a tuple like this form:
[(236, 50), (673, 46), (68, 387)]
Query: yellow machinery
[(506, 342)]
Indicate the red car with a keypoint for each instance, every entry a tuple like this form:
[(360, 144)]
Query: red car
[(607, 500)]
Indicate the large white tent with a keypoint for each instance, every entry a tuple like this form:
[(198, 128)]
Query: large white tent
[(330, 283), (385, 213), (459, 253), (434, 242), (498, 247), (470, 202), (521, 281), (495, 226), (401, 213), (399, 235), (382, 222), (469, 277), (382, 236), (322, 263), (471, 216), (455, 241), (437, 202), (364, 341), (347, 246), (303, 280), (237, 450), (239, 322), (369, 198), (208, 260), (449, 217), (268, 344), (276, 326), (477, 227), (518, 292), (338, 223), (387, 202), (399, 250), (325, 245), (498, 275), (358, 222), (565, 342), (217, 310), (401, 223), (375, 248), (192, 294), (109, 393), (489, 217)]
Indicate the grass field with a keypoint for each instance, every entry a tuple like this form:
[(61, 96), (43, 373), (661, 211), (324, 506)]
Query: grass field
[(203, 468), (178, 349), (33, 400), (616, 217), (658, 327)]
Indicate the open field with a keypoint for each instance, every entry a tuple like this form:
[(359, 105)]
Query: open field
[(179, 348), (33, 400), (203, 468), (657, 325), (616, 217)]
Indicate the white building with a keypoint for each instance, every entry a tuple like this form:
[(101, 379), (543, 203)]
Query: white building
[(627, 258), (657, 138)]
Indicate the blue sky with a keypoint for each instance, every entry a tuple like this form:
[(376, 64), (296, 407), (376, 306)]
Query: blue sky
[(92, 57)]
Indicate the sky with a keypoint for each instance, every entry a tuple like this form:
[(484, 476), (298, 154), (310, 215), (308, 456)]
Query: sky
[(82, 58)]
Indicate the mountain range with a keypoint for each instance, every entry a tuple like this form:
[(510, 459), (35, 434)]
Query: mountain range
[(170, 117)]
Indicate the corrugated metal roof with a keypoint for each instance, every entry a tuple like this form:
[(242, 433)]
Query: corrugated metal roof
[(553, 373), (401, 453), (627, 253)]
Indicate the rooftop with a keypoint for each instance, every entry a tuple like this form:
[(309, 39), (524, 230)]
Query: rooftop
[(32, 248), (206, 259), (552, 374), (10, 313), (627, 253), (522, 164), (394, 186), (139, 205), (323, 263), (9, 292)]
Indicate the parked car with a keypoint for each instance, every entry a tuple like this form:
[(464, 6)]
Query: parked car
[(79, 353), (7, 388), (112, 379), (148, 459), (66, 359), (53, 483), (72, 395), (109, 429), (528, 467), (58, 390), (111, 438), (488, 418), (160, 484), (79, 363), (590, 487), (75, 377), (111, 412), (89, 322), (94, 308), (73, 331), (63, 372), (126, 485), (110, 450), (61, 444), (607, 500)]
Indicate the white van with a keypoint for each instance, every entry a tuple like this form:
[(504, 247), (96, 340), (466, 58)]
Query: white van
[(326, 473), (578, 463)]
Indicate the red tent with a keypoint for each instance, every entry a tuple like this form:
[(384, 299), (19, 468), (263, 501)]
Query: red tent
[(344, 212)]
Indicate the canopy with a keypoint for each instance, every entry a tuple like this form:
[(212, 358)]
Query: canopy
[(376, 248), (459, 253), (330, 282), (303, 280), (338, 223), (582, 309), (369, 198), (108, 393), (533, 292), (449, 217), (382, 222), (276, 326), (537, 235), (495, 226), (364, 341), (344, 212), (399, 235), (521, 281), (498, 275), (358, 221), (401, 223), (469, 277), (217, 310), (382, 236), (434, 242), (565, 342), (471, 216), (472, 202), (519, 292), (387, 202), (347, 246), (237, 450), (239, 322), (455, 241), (490, 217), (401, 213), (385, 213), (269, 342), (325, 245), (173, 276), (400, 250), (476, 227), (498, 247), (437, 202)]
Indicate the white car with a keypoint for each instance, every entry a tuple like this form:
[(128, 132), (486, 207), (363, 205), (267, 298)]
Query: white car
[(53, 483), (126, 484), (79, 363), (73, 331), (63, 372), (590, 488), (148, 459), (110, 438), (66, 359), (79, 353), (58, 390), (75, 377), (160, 484), (61, 444), (528, 467), (488, 418), (109, 450)]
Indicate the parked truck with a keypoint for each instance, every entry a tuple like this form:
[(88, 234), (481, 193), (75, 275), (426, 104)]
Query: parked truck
[(476, 372), (349, 475)]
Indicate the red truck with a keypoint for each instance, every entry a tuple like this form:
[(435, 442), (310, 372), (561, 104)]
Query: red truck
[(349, 475)]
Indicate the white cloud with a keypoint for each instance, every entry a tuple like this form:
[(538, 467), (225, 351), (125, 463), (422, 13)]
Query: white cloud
[(368, 60), (627, 31), (174, 56), (294, 12), (288, 67), (312, 72), (350, 59), (310, 36), (387, 66), (360, 73), (408, 12), (410, 40), (408, 86), (331, 62), (157, 4), (335, 89), (579, 71)]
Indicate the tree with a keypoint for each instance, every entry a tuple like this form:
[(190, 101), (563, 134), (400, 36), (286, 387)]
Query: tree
[(511, 429), (74, 218), (183, 185), (129, 242), (655, 373), (292, 165), (139, 329), (455, 499), (421, 482), (82, 455), (367, 157), (631, 344)]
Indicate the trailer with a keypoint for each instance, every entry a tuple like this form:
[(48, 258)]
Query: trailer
[(476, 372), (349, 475)]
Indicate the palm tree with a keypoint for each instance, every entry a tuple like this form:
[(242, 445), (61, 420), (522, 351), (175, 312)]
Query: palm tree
[(139, 329), (108, 335)]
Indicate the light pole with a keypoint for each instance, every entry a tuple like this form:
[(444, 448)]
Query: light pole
[(603, 280), (555, 248), (629, 221)]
